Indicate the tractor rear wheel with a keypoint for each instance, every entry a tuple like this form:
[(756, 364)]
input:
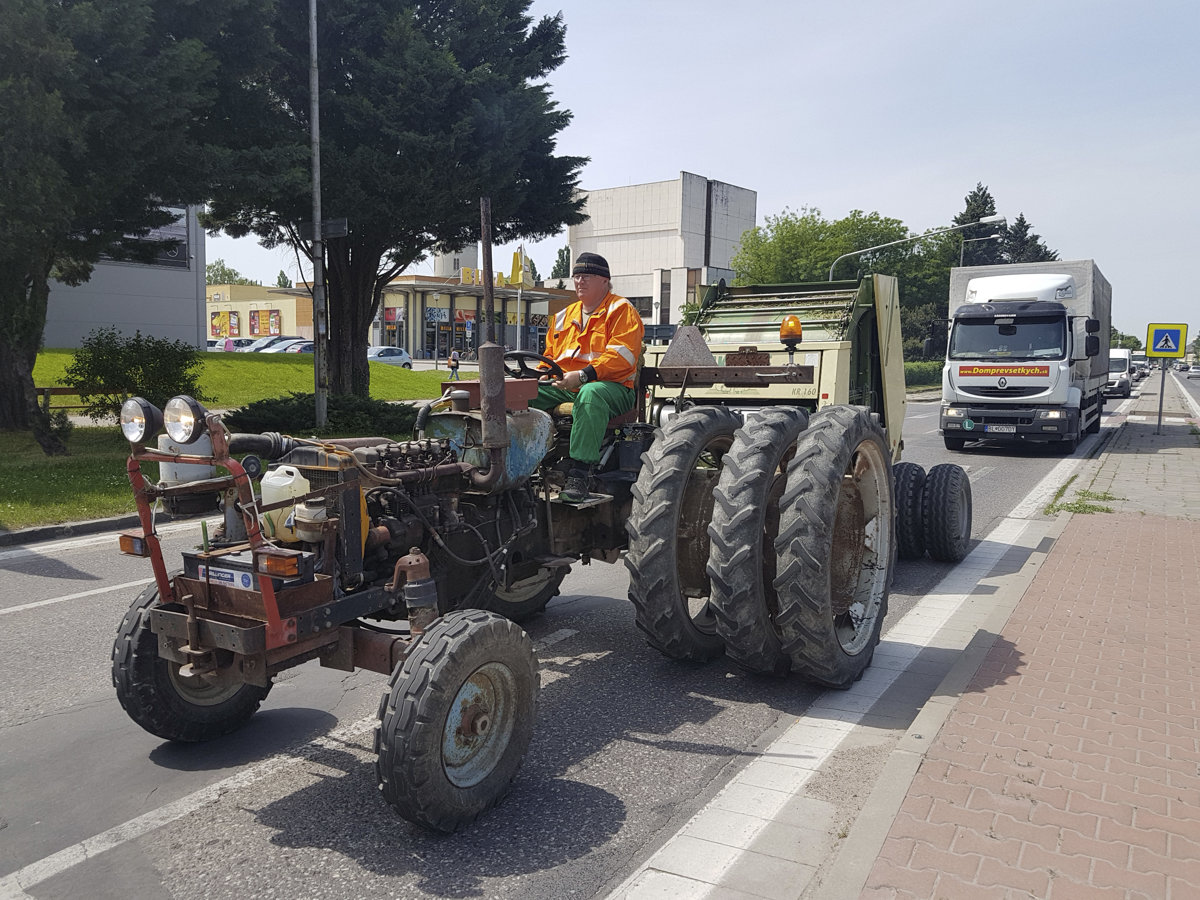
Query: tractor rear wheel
[(456, 720), (668, 533), (947, 512), (745, 523), (836, 546), (909, 479), (163, 701)]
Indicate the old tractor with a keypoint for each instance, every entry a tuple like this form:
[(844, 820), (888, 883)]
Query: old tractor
[(751, 497)]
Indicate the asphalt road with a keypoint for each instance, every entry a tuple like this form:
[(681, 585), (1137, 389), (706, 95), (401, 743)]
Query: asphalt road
[(628, 744)]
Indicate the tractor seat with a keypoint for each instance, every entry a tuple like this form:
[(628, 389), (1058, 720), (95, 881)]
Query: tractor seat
[(626, 418)]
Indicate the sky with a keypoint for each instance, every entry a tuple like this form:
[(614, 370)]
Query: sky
[(1082, 114)]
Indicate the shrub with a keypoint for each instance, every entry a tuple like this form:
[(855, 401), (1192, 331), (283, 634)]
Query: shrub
[(921, 374), (345, 415), (109, 367)]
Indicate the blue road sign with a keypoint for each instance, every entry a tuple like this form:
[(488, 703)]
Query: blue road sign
[(1166, 340)]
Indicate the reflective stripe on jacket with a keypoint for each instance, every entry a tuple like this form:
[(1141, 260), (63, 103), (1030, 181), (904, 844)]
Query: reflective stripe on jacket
[(610, 341)]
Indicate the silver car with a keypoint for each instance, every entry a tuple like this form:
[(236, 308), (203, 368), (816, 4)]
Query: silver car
[(393, 356)]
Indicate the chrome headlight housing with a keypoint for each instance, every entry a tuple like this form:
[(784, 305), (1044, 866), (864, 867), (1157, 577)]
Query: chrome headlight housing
[(140, 420), (1050, 414), (184, 419), (952, 412)]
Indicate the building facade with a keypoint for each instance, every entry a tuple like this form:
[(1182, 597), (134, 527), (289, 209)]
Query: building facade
[(163, 298), (254, 311), (664, 239)]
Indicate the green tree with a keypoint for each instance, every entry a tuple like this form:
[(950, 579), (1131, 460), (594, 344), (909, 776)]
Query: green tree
[(108, 108), (217, 272), (282, 280), (562, 267), (533, 272), (1022, 245), (973, 251), (425, 108), (1121, 340)]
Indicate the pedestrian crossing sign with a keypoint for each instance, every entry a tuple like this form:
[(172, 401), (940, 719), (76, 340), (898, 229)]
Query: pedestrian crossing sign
[(1165, 339)]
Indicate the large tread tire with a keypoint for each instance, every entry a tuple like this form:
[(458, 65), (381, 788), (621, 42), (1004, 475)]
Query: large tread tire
[(668, 533), (909, 484), (525, 599), (745, 523), (954, 443), (160, 700), (836, 546), (457, 719), (947, 513)]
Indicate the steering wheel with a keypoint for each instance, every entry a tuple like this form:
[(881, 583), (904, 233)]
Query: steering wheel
[(519, 364)]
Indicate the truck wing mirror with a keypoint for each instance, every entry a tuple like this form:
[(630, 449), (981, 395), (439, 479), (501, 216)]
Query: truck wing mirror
[(1091, 344), (1092, 327)]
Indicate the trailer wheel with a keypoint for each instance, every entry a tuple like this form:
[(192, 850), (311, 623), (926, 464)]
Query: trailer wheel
[(947, 513), (836, 546), (745, 522), (909, 483), (668, 533), (456, 720), (954, 443), (161, 700), (526, 598)]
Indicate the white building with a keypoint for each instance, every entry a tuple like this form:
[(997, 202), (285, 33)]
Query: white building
[(663, 239), (163, 298)]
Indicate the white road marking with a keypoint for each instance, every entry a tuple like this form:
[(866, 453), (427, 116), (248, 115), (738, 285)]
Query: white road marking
[(92, 593)]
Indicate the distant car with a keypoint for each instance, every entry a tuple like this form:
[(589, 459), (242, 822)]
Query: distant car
[(393, 356), (1193, 372), (215, 345), (301, 347), (270, 340), (283, 345)]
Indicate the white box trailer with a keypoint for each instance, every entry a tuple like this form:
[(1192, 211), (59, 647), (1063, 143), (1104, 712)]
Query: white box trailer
[(1027, 353)]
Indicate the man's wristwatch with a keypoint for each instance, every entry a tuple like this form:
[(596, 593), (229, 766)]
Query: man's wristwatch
[(583, 376)]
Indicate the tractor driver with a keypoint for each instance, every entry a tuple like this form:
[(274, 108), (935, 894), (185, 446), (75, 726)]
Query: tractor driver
[(597, 341)]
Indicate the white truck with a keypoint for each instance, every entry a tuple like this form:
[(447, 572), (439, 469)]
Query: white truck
[(1027, 353)]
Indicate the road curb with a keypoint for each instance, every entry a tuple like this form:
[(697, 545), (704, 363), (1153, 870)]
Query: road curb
[(64, 530)]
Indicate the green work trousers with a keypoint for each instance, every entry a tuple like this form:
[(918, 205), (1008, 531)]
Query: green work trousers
[(594, 405)]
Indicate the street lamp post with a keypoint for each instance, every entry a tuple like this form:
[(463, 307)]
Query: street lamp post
[(986, 220), (965, 241)]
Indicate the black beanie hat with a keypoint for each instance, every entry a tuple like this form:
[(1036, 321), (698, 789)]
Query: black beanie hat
[(591, 264)]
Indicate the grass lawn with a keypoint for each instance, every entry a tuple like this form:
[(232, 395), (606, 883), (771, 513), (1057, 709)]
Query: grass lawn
[(90, 483)]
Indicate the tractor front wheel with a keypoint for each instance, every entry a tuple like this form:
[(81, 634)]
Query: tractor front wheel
[(160, 698), (457, 719)]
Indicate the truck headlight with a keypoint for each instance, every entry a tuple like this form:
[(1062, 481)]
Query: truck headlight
[(1051, 414), (184, 419), (140, 420), (952, 412)]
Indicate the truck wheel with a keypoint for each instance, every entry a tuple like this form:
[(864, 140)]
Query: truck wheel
[(954, 443), (525, 599), (947, 513), (456, 719), (909, 482), (668, 533), (745, 522), (161, 700), (836, 546)]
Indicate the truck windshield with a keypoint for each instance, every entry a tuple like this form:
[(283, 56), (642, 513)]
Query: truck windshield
[(1117, 363), (1035, 337)]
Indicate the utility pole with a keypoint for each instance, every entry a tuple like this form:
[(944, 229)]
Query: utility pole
[(320, 317)]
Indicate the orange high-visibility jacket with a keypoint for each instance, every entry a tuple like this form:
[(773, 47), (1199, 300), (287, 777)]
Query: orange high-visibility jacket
[(610, 341)]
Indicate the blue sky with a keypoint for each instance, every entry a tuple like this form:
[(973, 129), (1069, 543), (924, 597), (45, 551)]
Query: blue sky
[(1085, 116)]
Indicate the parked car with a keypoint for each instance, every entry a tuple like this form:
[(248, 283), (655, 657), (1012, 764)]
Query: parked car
[(1193, 372), (270, 340), (393, 356), (283, 345), (301, 347)]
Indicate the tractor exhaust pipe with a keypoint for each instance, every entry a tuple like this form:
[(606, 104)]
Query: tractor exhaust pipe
[(491, 371)]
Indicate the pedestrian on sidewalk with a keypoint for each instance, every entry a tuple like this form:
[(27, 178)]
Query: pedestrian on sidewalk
[(452, 364)]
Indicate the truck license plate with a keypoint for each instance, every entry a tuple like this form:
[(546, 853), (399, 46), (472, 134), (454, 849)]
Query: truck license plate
[(1001, 429)]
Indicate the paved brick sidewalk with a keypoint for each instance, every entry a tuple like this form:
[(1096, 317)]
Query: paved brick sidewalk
[(1070, 766)]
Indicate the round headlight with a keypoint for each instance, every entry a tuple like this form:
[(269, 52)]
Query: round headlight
[(184, 419), (140, 420)]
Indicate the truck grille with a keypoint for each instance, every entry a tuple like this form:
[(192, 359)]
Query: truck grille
[(980, 391)]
